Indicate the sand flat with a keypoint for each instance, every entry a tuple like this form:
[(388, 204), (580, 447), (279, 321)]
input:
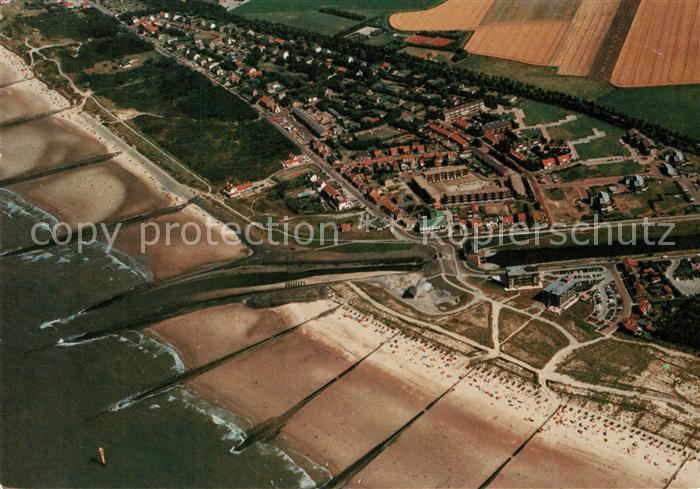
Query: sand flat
[(177, 243), (98, 193), (10, 72), (575, 449), (18, 102), (461, 440), (369, 404), (689, 475), (209, 334), (29, 98), (269, 380), (44, 144)]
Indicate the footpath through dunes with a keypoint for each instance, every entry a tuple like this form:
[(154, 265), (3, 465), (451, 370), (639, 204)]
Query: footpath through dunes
[(265, 382), (204, 336), (662, 45), (533, 42), (465, 437), (582, 40), (176, 243), (109, 191), (451, 15), (577, 448), (367, 406)]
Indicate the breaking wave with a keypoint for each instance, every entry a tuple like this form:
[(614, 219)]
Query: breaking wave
[(13, 205), (232, 424)]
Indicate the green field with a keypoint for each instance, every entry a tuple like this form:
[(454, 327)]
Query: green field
[(601, 148), (675, 107), (539, 76), (532, 133), (305, 14), (581, 172), (539, 113), (583, 127)]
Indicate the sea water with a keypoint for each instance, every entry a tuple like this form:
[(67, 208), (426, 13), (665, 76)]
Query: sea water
[(55, 394)]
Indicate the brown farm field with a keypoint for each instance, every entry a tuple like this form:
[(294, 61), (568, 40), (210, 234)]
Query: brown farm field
[(584, 36), (462, 15), (653, 45), (530, 11), (662, 47), (534, 43)]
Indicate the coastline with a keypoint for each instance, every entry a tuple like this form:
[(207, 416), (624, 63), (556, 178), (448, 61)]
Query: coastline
[(122, 187)]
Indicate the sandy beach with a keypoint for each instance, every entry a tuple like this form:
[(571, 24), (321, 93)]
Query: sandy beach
[(12, 70), (369, 404), (267, 381), (689, 474), (103, 192), (174, 245), (26, 99), (19, 100), (207, 335), (44, 144), (577, 448), (464, 438)]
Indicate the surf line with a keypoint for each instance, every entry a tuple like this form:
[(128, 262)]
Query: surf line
[(109, 226), (270, 428), (179, 379)]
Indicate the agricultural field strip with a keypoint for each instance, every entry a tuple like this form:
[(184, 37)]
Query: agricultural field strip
[(583, 38), (448, 16), (662, 45), (534, 43)]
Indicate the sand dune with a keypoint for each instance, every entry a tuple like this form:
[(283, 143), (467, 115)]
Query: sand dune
[(28, 98)]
